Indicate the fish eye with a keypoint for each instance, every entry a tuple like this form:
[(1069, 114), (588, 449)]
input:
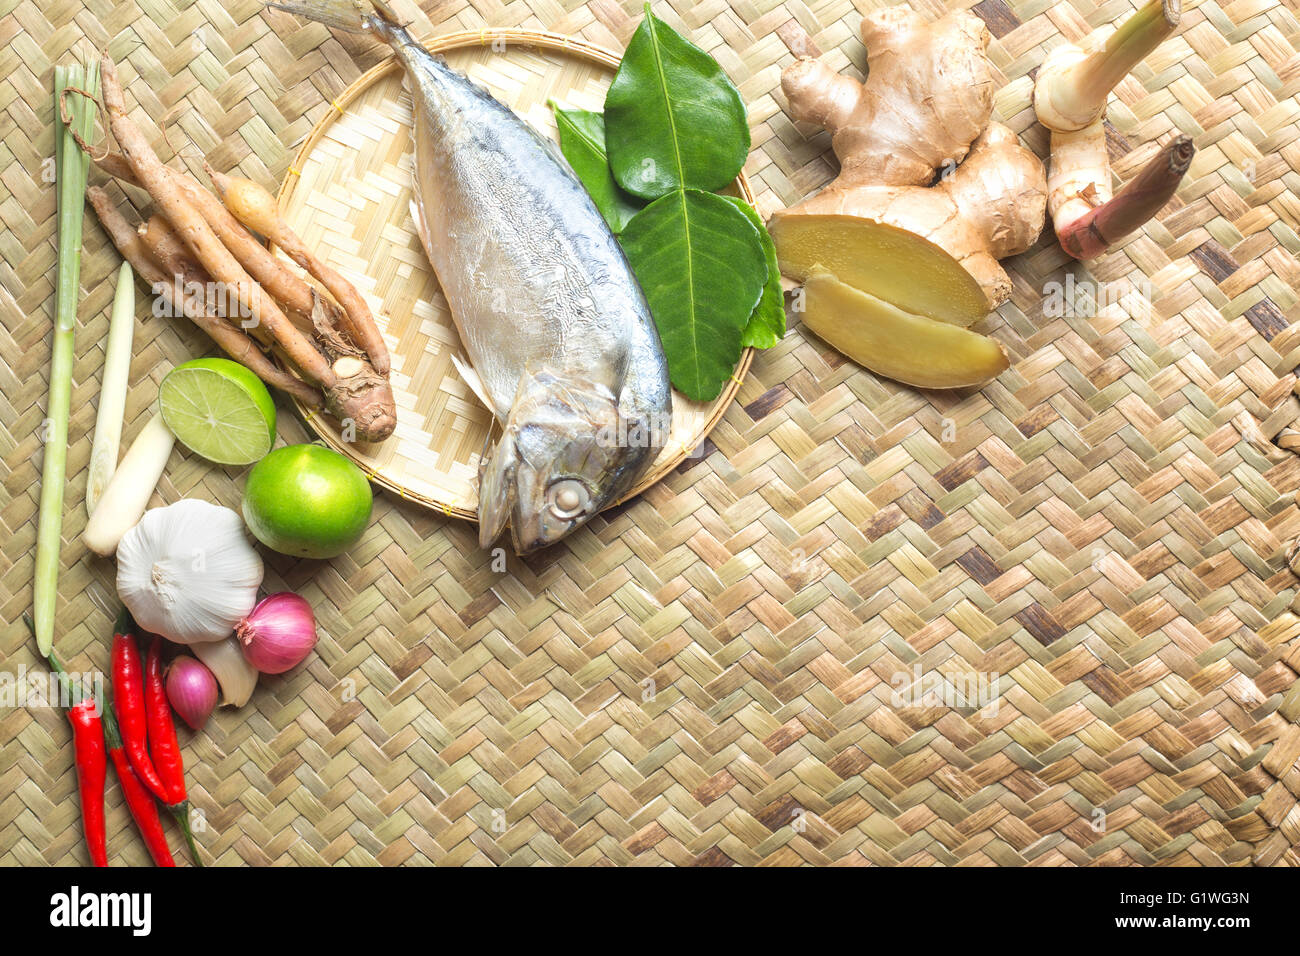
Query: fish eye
[(567, 498)]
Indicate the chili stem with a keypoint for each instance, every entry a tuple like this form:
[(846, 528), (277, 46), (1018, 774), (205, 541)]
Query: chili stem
[(75, 696), (181, 811)]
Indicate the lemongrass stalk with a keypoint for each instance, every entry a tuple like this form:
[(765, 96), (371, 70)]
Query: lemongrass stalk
[(72, 168), (60, 84), (112, 388), (127, 495)]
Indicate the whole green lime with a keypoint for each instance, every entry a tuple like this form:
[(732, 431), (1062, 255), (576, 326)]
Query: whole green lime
[(308, 501)]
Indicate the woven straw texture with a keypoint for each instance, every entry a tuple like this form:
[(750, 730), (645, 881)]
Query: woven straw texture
[(707, 675)]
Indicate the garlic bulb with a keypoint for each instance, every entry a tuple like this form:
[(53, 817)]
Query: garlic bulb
[(187, 572)]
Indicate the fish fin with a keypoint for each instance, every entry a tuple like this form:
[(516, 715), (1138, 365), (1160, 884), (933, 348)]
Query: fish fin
[(615, 365), (421, 224), (496, 489), (349, 15), (472, 379)]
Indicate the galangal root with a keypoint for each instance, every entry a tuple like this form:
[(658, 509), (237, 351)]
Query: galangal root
[(335, 346), (1070, 95), (235, 343), (930, 196)]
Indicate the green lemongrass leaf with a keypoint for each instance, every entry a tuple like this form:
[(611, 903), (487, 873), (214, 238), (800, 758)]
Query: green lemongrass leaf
[(72, 166), (582, 140), (674, 118), (700, 263), (766, 325)]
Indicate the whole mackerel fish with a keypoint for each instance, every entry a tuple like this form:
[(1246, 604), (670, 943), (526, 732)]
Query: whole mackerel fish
[(563, 347)]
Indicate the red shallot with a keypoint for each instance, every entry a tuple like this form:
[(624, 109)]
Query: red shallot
[(192, 690), (279, 633)]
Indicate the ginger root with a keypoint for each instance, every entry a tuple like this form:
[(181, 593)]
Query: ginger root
[(297, 297), (933, 251), (248, 294), (236, 343), (928, 95), (899, 254), (256, 209), (1087, 218), (1075, 80), (908, 348)]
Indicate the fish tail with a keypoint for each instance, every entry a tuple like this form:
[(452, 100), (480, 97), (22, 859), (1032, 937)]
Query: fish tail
[(354, 16)]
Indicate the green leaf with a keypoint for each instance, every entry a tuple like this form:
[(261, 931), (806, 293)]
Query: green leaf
[(674, 119), (582, 140), (701, 265), (766, 324)]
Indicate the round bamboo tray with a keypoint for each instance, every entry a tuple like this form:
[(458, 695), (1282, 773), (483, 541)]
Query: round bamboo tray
[(348, 193)]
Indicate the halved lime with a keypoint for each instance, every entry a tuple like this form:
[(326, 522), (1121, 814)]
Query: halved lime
[(219, 409)]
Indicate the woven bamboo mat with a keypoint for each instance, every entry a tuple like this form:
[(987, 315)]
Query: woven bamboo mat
[(708, 675)]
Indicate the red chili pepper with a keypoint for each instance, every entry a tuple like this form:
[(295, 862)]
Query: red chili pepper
[(89, 760), (164, 748), (143, 807), (92, 769), (128, 704)]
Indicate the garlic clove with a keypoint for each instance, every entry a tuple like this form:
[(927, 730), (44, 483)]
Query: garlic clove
[(235, 675)]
